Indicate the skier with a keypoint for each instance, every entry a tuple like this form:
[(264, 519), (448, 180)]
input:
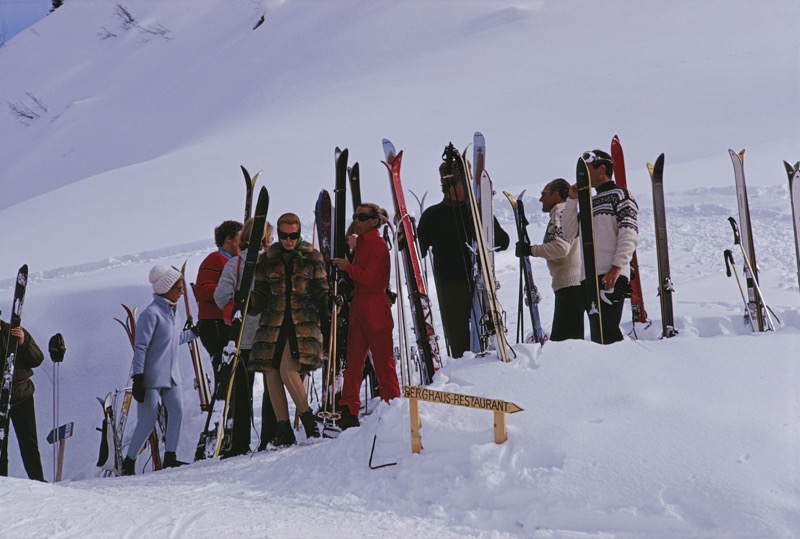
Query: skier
[(370, 322), (214, 333), (156, 375), (22, 413), (245, 375), (447, 230), (291, 294), (564, 262), (616, 234)]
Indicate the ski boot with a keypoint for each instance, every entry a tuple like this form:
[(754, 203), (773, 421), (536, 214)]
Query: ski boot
[(171, 461), (284, 437), (128, 467), (348, 419), (309, 424)]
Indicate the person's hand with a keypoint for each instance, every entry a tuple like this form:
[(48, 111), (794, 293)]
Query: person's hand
[(138, 387), (522, 249), (19, 333), (340, 263), (610, 278), (351, 241), (573, 191)]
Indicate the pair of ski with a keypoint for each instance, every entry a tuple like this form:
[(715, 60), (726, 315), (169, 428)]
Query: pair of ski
[(330, 219), (488, 316), (115, 417), (665, 288), (756, 311), (216, 439), (10, 353)]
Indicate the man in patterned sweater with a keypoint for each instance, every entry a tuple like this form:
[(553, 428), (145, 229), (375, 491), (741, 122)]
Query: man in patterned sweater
[(564, 262), (616, 234)]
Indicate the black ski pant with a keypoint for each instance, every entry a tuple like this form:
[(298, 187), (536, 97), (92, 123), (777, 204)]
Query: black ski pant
[(568, 313), (23, 418), (215, 335), (455, 305), (611, 316), (242, 403)]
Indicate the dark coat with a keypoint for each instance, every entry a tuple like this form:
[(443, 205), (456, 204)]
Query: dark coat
[(29, 356), (307, 299)]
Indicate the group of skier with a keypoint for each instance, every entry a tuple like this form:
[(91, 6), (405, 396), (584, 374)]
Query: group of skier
[(291, 304)]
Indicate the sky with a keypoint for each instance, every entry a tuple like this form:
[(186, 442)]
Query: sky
[(132, 157)]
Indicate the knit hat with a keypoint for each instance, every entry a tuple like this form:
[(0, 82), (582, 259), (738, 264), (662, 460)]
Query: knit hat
[(162, 278)]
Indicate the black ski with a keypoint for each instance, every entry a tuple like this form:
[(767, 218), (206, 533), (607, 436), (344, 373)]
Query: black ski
[(665, 287), (216, 439), (10, 353), (585, 216), (529, 292)]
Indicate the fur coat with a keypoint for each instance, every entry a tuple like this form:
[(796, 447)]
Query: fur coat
[(306, 298)]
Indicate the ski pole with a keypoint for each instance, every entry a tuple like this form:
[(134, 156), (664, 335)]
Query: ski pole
[(728, 263), (57, 349), (760, 303)]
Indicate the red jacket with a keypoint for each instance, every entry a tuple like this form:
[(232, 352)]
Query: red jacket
[(207, 278), (371, 267)]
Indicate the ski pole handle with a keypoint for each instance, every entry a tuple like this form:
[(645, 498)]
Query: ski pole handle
[(57, 348), (736, 239), (728, 261)]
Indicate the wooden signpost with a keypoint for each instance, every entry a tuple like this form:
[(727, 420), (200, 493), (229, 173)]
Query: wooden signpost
[(60, 435), (500, 408)]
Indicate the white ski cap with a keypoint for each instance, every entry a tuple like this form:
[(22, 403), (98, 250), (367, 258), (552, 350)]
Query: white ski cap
[(162, 278)]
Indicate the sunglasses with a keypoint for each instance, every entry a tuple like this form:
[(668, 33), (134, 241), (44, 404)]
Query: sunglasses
[(595, 160), (288, 235), (364, 216)]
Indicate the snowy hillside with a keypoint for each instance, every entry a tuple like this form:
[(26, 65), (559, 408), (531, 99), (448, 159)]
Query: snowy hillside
[(131, 156)]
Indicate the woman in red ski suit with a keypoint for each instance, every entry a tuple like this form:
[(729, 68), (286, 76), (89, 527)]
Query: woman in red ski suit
[(371, 322)]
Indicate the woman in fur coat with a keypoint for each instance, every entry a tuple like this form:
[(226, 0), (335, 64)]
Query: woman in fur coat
[(291, 294)]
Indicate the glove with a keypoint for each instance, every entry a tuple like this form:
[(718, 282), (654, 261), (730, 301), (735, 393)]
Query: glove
[(522, 249), (621, 290), (138, 387)]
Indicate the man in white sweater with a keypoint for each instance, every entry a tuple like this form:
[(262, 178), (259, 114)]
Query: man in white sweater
[(616, 234), (564, 262)]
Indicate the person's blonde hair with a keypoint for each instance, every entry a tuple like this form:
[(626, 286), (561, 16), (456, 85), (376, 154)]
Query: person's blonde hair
[(247, 229)]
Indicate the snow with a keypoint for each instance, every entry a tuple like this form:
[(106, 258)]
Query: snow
[(136, 158)]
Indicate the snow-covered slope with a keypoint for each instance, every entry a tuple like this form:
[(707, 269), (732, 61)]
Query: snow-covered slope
[(136, 158)]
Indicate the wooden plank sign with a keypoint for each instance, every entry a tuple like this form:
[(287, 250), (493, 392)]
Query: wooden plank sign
[(500, 408)]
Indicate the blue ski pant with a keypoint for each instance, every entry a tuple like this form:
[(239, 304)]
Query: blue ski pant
[(147, 413)]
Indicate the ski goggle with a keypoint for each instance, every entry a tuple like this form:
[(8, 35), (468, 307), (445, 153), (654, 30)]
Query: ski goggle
[(364, 216), (289, 235), (595, 160)]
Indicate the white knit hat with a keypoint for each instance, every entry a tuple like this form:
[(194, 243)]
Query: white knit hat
[(162, 278)]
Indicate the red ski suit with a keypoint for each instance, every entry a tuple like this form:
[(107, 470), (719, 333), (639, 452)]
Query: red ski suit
[(371, 322)]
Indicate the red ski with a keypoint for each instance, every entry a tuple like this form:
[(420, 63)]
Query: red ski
[(420, 302), (637, 300)]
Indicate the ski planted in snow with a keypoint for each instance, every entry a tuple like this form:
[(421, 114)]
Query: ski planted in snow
[(637, 298), (201, 382), (115, 416), (586, 218), (241, 300), (528, 291), (492, 325), (665, 288), (746, 235), (339, 285), (421, 307), (10, 353), (793, 172)]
